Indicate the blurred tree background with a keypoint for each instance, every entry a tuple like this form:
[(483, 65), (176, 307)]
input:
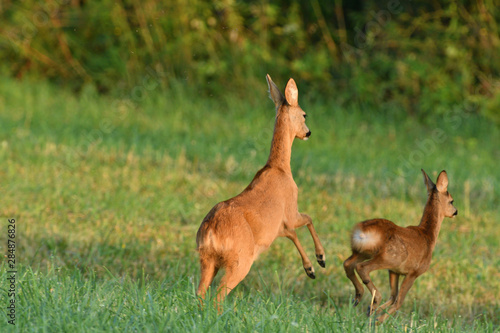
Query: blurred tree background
[(415, 57)]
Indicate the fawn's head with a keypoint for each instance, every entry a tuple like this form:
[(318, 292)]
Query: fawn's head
[(289, 105), (439, 194)]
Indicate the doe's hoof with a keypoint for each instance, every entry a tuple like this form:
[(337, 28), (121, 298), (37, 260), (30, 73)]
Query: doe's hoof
[(310, 272), (321, 260)]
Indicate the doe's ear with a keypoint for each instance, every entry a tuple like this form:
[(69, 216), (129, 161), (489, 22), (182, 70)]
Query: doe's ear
[(292, 93), (442, 182), (274, 92), (428, 182)]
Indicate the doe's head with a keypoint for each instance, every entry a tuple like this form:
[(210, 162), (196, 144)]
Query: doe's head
[(442, 197), (290, 105)]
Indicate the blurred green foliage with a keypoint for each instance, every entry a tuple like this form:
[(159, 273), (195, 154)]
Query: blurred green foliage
[(423, 57)]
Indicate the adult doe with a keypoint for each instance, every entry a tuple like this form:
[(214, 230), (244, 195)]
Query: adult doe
[(236, 231), (380, 244)]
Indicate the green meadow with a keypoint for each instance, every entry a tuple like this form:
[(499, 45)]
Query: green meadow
[(108, 194)]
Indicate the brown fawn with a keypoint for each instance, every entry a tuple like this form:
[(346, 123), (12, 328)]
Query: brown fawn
[(236, 231), (380, 244)]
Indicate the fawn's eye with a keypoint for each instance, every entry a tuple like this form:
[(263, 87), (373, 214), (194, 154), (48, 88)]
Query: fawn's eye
[(451, 202), (305, 116)]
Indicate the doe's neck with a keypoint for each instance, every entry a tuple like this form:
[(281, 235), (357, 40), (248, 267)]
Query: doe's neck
[(281, 145)]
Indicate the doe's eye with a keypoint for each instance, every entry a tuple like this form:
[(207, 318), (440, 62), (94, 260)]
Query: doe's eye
[(305, 116)]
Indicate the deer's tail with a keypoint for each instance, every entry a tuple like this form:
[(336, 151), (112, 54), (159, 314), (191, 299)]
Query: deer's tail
[(365, 239)]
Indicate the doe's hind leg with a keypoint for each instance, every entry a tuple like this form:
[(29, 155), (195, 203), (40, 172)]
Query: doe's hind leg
[(208, 271), (235, 272)]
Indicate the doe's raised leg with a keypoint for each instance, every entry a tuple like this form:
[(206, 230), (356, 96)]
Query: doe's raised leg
[(304, 219)]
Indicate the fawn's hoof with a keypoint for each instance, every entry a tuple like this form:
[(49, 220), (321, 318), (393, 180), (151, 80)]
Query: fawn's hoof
[(371, 310), (321, 260), (357, 298), (310, 272), (381, 319)]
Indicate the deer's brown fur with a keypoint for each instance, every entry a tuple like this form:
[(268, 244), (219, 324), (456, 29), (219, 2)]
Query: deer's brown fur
[(380, 244), (236, 231)]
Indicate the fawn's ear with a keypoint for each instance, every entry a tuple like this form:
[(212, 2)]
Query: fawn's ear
[(292, 93), (442, 182), (428, 182), (274, 92)]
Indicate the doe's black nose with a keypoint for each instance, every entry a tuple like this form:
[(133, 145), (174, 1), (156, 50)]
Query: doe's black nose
[(308, 134), (456, 213)]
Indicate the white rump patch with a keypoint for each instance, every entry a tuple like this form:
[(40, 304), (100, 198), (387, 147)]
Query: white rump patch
[(365, 240)]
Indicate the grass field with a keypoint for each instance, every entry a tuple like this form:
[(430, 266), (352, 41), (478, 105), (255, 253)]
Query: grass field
[(108, 195)]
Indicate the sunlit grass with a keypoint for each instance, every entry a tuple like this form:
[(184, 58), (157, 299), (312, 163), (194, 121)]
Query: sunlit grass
[(108, 202)]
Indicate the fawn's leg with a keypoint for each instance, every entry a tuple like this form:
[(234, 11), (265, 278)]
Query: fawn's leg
[(349, 267), (364, 269), (393, 280), (405, 286)]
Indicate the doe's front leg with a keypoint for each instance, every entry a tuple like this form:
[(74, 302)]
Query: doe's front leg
[(292, 235), (304, 219)]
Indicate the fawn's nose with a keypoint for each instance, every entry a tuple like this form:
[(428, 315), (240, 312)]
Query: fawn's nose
[(308, 134), (456, 213)]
